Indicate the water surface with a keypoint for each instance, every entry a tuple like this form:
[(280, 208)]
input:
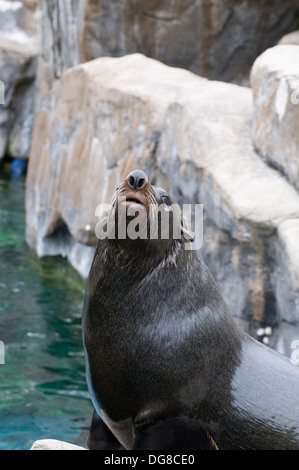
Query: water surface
[(43, 392)]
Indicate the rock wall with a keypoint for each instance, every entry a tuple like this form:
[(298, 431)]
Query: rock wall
[(61, 20), (275, 83), (219, 40), (190, 135), (213, 39), (19, 48)]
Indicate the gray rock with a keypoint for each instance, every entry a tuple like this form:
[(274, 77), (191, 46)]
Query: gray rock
[(19, 47), (275, 84), (61, 22), (219, 40)]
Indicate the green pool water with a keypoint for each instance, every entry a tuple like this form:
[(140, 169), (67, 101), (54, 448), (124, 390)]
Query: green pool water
[(43, 392)]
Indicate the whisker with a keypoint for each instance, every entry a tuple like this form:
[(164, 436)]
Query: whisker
[(119, 191)]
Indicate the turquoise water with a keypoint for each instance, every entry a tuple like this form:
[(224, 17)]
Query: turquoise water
[(43, 392)]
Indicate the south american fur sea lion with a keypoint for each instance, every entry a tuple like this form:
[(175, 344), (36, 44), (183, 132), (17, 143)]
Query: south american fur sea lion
[(167, 367)]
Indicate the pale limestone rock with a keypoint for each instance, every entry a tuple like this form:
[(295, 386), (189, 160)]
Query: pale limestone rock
[(53, 444), (275, 84), (192, 136)]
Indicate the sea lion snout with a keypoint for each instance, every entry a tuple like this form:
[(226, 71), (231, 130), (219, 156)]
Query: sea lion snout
[(137, 179), (135, 190)]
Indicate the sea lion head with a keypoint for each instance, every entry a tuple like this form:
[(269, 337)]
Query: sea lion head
[(145, 216)]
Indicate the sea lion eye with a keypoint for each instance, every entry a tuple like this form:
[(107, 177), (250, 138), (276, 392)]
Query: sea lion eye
[(165, 199)]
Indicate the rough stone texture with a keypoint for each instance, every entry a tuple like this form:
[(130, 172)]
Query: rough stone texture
[(211, 38), (53, 444), (19, 47), (61, 32), (275, 84), (192, 136)]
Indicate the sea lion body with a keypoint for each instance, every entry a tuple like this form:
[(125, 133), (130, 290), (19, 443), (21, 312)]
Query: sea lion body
[(166, 362)]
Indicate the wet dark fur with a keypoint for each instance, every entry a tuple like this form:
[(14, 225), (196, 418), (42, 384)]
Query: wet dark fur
[(165, 358)]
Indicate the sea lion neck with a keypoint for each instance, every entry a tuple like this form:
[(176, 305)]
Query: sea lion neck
[(136, 259)]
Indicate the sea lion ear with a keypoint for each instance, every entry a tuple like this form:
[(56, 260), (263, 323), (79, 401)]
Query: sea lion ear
[(186, 231)]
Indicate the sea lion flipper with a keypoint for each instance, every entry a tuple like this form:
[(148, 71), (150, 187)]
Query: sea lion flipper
[(100, 437), (173, 433)]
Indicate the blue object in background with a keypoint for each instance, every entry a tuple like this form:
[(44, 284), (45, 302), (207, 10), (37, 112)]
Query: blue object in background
[(18, 168)]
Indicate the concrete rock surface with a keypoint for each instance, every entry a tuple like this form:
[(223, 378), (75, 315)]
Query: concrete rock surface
[(219, 40), (275, 85)]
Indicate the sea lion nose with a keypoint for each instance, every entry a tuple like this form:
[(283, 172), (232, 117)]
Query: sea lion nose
[(137, 179)]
